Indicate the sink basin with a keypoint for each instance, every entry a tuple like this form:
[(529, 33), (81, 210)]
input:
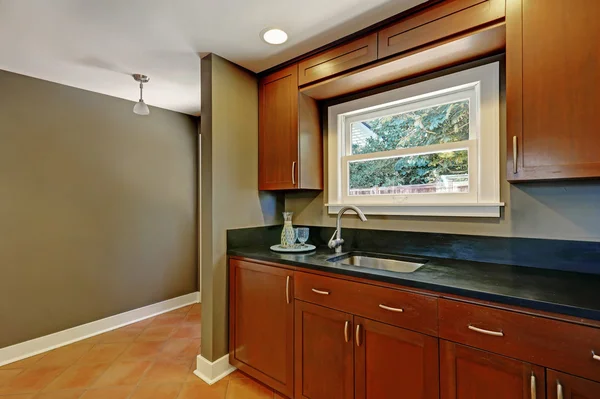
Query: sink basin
[(392, 263)]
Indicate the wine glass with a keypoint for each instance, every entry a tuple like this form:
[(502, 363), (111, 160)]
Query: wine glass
[(302, 235)]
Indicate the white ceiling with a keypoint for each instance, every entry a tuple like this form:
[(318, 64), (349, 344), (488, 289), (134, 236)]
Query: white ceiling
[(97, 44)]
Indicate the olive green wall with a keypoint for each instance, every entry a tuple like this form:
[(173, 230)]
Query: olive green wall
[(230, 197), (97, 207), (556, 210)]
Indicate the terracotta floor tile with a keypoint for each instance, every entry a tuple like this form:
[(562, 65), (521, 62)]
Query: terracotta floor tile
[(246, 388), (104, 353), (78, 376), (236, 375), (142, 351), (188, 331), (197, 390), (65, 356), (196, 309), (25, 396), (7, 375), (181, 348), (31, 380), (64, 394), (157, 391), (279, 396), (122, 374), (193, 318), (156, 333), (121, 335), (168, 319), (166, 371), (108, 393), (183, 310), (21, 364)]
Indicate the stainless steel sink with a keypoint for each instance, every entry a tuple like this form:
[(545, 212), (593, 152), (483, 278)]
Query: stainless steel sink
[(392, 263)]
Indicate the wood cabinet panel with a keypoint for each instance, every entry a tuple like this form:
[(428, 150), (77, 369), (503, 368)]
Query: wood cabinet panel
[(570, 387), (338, 59), (553, 80), (324, 357), (278, 130), (418, 312), (471, 373), (392, 362), (262, 311), (438, 22), (551, 343)]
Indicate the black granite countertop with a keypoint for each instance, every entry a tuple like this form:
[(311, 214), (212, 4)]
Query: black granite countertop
[(569, 293)]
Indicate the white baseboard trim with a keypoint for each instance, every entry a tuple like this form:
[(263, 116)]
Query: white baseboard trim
[(211, 372), (36, 346)]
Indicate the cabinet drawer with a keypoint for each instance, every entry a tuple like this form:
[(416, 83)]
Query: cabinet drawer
[(438, 22), (404, 309), (338, 59), (556, 344)]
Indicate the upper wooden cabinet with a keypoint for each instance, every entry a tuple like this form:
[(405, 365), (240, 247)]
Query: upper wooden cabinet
[(262, 310), (552, 86), (338, 59), (441, 21), (290, 143)]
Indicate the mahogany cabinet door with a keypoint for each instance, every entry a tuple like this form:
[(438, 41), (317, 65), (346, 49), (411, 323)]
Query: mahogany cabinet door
[(467, 373), (261, 315), (338, 59), (566, 386), (324, 356), (438, 22), (553, 81), (278, 130), (391, 362)]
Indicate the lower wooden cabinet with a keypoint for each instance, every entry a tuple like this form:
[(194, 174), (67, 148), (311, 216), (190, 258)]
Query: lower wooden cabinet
[(466, 372), (391, 362), (323, 353), (565, 386), (261, 323)]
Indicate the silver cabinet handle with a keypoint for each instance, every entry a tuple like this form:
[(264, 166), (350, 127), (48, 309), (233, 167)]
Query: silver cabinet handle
[(316, 291), (287, 289), (358, 335), (559, 390), (397, 310), (487, 332), (347, 331), (533, 387), (595, 357), (515, 154), (294, 173)]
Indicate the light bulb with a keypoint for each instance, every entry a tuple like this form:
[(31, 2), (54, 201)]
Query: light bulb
[(274, 36), (141, 108)]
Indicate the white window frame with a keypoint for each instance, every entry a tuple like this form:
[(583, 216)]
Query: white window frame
[(481, 87)]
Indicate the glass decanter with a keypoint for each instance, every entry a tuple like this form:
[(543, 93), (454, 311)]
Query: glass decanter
[(288, 234)]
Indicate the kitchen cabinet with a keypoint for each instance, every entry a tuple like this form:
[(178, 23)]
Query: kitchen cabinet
[(324, 353), (471, 373), (339, 59), (552, 85), (438, 22), (565, 386), (290, 141), (392, 362), (261, 312)]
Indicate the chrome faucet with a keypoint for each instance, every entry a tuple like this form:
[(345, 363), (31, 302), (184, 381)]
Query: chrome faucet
[(339, 241)]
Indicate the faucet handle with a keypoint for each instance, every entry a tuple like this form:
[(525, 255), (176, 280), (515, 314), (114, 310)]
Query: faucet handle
[(332, 241)]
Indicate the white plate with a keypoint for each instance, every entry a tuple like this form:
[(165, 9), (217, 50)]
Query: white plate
[(297, 248)]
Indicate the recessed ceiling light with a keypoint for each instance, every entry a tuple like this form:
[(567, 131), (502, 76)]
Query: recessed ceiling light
[(274, 36)]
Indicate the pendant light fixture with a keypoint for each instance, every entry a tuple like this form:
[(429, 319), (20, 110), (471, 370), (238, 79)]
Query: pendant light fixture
[(140, 107)]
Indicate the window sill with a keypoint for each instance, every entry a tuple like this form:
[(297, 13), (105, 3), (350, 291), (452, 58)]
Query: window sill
[(487, 210)]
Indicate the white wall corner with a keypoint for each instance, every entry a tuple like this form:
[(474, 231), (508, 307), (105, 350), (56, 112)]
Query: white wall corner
[(43, 344), (211, 372)]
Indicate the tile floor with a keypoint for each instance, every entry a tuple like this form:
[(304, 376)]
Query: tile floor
[(153, 359)]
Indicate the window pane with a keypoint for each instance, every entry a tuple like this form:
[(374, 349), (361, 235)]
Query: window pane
[(447, 123), (441, 172)]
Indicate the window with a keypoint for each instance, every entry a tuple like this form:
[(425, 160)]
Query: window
[(431, 148)]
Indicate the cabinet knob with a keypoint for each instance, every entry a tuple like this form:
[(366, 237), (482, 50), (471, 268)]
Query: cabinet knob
[(559, 390), (486, 332), (347, 331), (358, 335), (287, 289), (294, 173), (320, 292), (533, 386)]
